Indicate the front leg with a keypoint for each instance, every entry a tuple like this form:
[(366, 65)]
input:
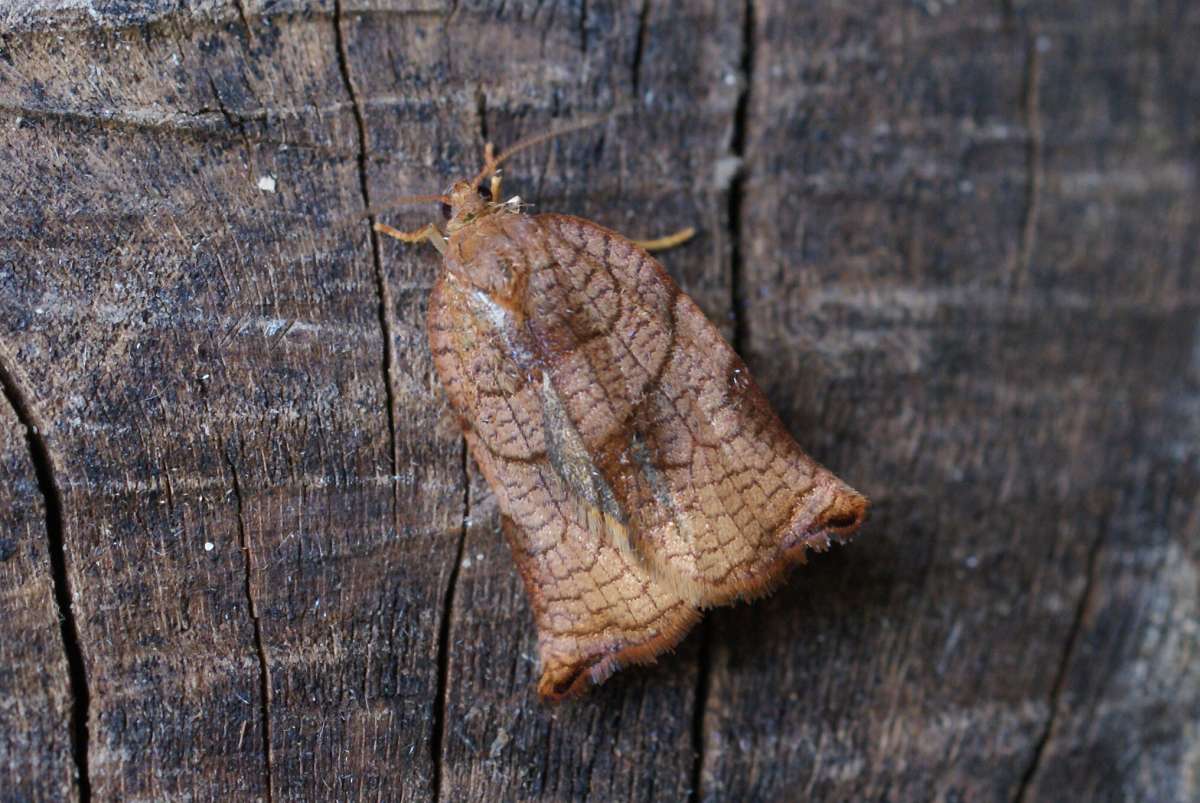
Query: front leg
[(429, 232)]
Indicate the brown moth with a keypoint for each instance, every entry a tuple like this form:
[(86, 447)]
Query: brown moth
[(641, 473)]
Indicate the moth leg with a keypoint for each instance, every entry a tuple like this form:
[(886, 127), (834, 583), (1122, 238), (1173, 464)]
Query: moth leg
[(489, 166), (670, 241), (429, 232)]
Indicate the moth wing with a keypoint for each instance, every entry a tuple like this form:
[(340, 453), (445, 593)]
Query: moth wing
[(641, 472), (719, 499), (596, 605)]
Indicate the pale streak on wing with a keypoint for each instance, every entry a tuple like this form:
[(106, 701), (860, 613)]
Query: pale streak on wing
[(485, 384)]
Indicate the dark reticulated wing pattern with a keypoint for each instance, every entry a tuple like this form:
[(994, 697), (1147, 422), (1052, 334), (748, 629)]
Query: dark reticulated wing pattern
[(641, 472)]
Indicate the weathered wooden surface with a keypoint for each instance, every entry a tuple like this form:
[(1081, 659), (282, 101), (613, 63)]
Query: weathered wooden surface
[(962, 257)]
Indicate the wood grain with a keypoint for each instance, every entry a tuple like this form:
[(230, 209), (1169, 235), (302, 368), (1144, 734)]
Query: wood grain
[(961, 256)]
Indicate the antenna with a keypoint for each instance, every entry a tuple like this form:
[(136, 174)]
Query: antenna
[(404, 200), (492, 162)]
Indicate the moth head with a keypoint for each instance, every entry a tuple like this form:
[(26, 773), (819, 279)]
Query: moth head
[(465, 203), (468, 201)]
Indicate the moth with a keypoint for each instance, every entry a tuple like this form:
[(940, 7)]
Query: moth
[(641, 474)]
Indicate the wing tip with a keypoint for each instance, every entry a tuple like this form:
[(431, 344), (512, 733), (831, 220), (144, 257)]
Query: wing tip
[(844, 516), (565, 680), (838, 521)]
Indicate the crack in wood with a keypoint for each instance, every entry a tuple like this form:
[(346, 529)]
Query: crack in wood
[(739, 340), (438, 740), (639, 50), (232, 120), (236, 124), (1060, 675), (438, 737), (205, 119), (737, 149), (47, 483), (386, 310), (260, 648)]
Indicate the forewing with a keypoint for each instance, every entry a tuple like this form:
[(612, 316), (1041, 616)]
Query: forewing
[(719, 498), (596, 605)]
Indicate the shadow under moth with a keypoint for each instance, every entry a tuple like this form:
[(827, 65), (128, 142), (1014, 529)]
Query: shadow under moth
[(641, 473)]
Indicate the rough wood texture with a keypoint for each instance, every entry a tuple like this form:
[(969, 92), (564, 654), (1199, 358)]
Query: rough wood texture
[(962, 258)]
